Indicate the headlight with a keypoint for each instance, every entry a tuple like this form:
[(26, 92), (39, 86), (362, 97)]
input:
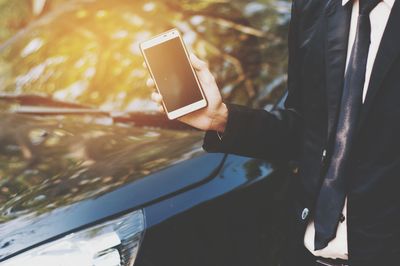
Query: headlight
[(114, 243)]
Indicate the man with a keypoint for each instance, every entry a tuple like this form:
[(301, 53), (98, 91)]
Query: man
[(341, 122)]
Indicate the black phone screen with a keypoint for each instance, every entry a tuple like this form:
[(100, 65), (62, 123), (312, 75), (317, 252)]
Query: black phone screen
[(173, 74)]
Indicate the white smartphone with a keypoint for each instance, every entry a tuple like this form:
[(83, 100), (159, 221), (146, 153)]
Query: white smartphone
[(168, 62)]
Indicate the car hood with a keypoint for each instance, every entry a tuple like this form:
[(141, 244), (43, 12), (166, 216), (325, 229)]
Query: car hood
[(50, 163)]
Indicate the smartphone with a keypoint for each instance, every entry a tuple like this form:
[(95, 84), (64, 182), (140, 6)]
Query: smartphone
[(168, 62)]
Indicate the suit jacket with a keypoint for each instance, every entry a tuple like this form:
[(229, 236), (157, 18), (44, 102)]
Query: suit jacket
[(318, 41)]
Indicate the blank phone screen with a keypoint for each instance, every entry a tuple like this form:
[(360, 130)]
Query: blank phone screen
[(173, 74)]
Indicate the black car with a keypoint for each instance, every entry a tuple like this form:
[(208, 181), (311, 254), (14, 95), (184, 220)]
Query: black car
[(92, 174)]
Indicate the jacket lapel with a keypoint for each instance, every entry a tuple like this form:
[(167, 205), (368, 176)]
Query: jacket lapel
[(389, 50), (337, 36)]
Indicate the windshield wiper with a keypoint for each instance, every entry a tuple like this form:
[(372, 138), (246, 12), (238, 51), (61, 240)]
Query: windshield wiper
[(139, 119), (40, 105), (38, 100), (150, 119), (44, 110)]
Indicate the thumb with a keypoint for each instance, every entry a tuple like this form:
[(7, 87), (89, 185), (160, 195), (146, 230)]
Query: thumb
[(197, 63)]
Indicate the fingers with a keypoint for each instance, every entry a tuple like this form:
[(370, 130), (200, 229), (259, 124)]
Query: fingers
[(156, 97), (197, 63), (150, 83)]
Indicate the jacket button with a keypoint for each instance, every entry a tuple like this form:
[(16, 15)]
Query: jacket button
[(323, 155), (305, 213)]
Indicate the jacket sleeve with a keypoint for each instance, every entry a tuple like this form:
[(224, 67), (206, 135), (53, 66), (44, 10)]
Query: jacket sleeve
[(268, 135)]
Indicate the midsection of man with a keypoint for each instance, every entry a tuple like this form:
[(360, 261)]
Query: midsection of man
[(318, 51), (379, 16)]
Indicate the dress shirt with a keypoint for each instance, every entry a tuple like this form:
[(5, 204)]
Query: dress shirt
[(379, 16)]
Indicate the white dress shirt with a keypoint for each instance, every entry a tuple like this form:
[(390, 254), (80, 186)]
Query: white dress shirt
[(379, 16)]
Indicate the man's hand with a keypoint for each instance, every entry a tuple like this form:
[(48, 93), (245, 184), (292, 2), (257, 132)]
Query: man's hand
[(212, 117)]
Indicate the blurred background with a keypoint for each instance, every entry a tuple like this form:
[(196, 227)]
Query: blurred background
[(87, 51)]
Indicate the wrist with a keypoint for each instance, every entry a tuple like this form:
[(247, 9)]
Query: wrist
[(219, 119)]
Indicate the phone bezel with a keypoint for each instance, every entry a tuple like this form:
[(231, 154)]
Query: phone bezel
[(159, 39)]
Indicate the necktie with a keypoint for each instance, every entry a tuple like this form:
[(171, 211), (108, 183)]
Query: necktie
[(332, 194)]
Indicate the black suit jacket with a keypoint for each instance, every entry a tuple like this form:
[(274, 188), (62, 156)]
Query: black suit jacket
[(318, 41)]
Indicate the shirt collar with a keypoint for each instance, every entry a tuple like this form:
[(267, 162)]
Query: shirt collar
[(390, 3)]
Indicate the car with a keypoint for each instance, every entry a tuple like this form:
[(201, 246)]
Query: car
[(92, 174)]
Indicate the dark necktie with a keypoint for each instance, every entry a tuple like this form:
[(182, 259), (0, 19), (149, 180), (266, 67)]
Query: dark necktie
[(333, 191)]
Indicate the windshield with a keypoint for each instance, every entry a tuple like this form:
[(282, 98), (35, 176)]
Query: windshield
[(87, 52)]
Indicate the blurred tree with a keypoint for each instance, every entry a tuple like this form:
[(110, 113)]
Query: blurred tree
[(87, 51), (38, 6), (14, 15)]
